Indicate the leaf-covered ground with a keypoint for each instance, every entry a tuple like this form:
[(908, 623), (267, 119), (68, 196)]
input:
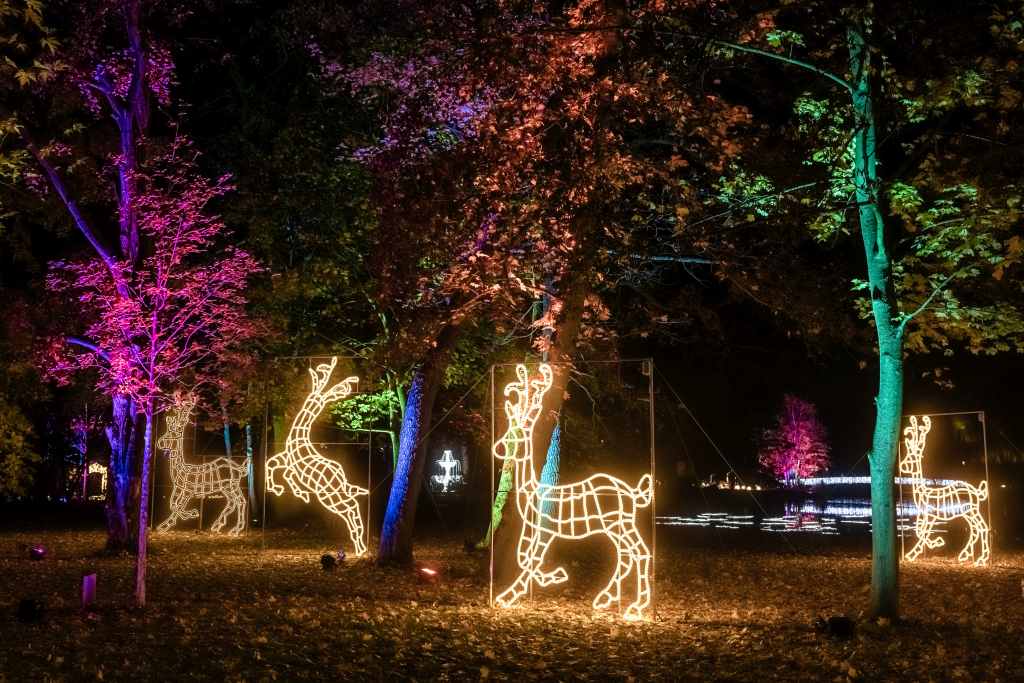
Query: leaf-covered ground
[(261, 608)]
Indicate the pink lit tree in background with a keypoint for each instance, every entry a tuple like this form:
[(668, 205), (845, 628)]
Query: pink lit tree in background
[(797, 446)]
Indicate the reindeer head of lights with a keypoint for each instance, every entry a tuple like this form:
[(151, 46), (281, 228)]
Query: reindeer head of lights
[(306, 471), (601, 504), (942, 503), (215, 479)]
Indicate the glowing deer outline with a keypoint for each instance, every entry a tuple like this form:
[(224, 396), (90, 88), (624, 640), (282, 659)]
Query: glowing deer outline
[(220, 478), (306, 471), (574, 511), (942, 503)]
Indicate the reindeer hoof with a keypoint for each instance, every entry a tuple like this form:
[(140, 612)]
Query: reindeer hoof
[(558, 575), (633, 613), (604, 600), (506, 600)]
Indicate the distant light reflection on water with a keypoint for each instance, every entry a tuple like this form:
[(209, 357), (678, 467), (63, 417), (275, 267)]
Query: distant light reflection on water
[(827, 517)]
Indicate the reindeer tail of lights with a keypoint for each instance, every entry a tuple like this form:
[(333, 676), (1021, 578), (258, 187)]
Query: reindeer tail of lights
[(940, 504), (601, 504), (220, 478), (306, 471)]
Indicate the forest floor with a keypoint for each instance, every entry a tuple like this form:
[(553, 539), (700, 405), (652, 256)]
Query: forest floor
[(261, 608)]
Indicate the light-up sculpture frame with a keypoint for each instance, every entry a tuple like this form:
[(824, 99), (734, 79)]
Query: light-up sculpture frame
[(940, 504), (219, 478), (569, 511), (306, 471)]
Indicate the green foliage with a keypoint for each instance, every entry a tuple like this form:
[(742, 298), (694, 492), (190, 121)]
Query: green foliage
[(375, 410), (747, 190), (16, 453)]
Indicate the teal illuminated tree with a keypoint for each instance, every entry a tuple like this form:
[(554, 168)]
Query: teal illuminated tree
[(940, 236)]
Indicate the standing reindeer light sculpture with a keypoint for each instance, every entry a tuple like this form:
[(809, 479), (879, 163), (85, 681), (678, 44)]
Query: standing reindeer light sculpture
[(218, 478), (306, 471), (601, 504), (942, 503)]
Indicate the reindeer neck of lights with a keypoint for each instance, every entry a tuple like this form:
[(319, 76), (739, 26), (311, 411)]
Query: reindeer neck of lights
[(601, 504), (942, 503), (218, 478), (306, 471)]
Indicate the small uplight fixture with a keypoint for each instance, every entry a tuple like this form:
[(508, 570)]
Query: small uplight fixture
[(428, 575)]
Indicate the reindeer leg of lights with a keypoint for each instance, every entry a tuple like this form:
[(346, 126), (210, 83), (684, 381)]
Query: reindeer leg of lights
[(306, 471), (601, 504), (942, 503), (220, 478)]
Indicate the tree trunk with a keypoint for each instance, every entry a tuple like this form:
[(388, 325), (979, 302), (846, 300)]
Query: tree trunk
[(227, 430), (121, 477), (140, 557), (889, 401), (250, 469), (82, 445), (400, 517)]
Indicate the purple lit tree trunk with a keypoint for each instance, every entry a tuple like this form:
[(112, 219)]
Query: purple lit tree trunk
[(400, 517), (121, 475), (80, 427)]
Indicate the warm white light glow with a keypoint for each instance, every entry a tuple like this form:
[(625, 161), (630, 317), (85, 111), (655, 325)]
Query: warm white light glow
[(601, 504), (306, 471), (220, 478), (451, 471), (97, 468), (942, 503)]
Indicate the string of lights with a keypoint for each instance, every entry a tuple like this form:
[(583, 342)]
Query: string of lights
[(939, 504), (600, 504), (220, 478), (306, 471)]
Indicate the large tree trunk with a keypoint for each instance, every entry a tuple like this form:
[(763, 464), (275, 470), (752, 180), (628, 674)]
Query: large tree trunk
[(888, 328), (400, 517), (140, 557), (121, 476), (505, 521)]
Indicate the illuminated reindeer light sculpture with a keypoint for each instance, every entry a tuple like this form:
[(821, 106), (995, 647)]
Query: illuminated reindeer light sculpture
[(220, 478), (601, 504), (942, 503), (306, 471)]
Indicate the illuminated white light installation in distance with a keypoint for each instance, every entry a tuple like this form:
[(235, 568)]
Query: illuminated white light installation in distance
[(306, 471), (451, 468), (942, 503), (601, 504), (97, 468), (220, 478)]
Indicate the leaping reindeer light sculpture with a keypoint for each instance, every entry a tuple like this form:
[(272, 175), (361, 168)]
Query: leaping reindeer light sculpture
[(601, 504), (306, 471), (942, 503), (218, 478)]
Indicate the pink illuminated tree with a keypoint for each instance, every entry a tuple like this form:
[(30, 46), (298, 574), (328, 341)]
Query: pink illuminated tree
[(167, 324), (797, 446)]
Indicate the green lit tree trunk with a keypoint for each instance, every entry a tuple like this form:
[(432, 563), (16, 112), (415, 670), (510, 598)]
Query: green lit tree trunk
[(889, 323), (889, 330)]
